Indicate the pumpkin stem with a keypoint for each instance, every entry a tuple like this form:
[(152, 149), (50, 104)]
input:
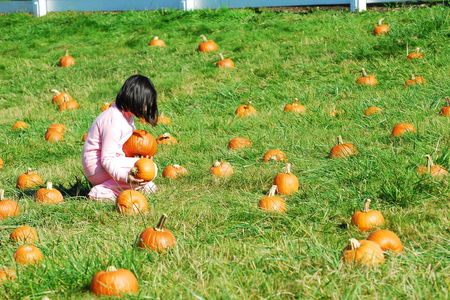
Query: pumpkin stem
[(221, 56), (429, 162), (366, 205), (203, 38), (161, 222), (161, 115), (156, 38), (134, 170), (364, 73), (166, 135), (176, 166), (288, 168), (413, 77), (56, 91), (49, 185), (66, 98), (29, 171), (67, 52), (295, 101), (273, 157), (354, 244), (216, 163), (273, 190), (417, 50), (380, 21), (2, 194), (339, 139), (111, 269)]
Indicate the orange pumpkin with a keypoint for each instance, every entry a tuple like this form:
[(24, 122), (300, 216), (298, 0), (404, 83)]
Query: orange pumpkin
[(28, 254), (140, 143), (84, 137), (238, 143), (66, 60), (274, 154), (131, 202), (245, 110), (286, 182), (367, 218), (8, 208), (365, 252), (114, 282), (145, 169), (272, 202), (105, 106), (432, 169), (29, 179), (207, 45), (68, 104), (225, 62), (343, 149), (372, 110), (415, 55), (335, 113), (158, 238), (381, 28), (166, 139), (2, 163), (295, 107), (7, 274), (402, 128), (54, 136), (174, 171), (387, 240), (19, 125), (24, 234), (156, 42), (445, 111), (368, 80), (162, 119), (221, 169), (58, 98), (49, 195), (58, 127), (414, 80)]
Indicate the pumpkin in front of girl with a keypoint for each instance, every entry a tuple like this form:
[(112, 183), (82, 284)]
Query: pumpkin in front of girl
[(157, 238), (166, 139), (245, 110), (416, 54), (343, 149), (28, 254), (66, 60), (174, 171), (225, 62), (8, 208), (24, 234), (68, 104), (19, 125), (58, 98), (445, 111), (221, 169), (49, 195), (114, 282), (131, 202), (238, 143), (207, 45), (140, 143), (381, 28), (367, 218), (274, 154), (29, 179), (367, 80), (402, 128), (286, 182), (432, 169), (7, 274), (364, 252), (387, 240), (145, 169), (272, 202), (295, 107), (157, 42)]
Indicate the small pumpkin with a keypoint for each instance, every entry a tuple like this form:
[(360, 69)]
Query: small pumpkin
[(238, 143), (365, 252), (367, 218), (58, 98), (272, 202), (114, 282), (387, 240), (8, 208), (49, 195), (402, 128), (105, 106), (365, 79), (295, 107), (24, 234), (432, 169), (225, 62), (162, 119), (245, 110), (274, 154), (68, 104), (140, 143), (445, 111), (166, 139), (7, 274), (381, 28), (416, 54), (28, 254), (2, 163), (174, 171), (84, 137), (372, 110), (58, 127), (145, 169), (67, 60), (53, 136), (414, 80), (343, 149), (221, 169), (19, 125), (207, 45), (156, 42), (131, 202), (29, 179), (286, 182), (157, 238)]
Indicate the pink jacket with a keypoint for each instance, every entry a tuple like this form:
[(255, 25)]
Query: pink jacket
[(102, 150)]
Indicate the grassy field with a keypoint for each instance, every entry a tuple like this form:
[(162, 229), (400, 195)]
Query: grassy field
[(227, 248)]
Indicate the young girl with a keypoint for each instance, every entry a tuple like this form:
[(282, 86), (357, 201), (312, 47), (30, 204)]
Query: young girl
[(104, 162)]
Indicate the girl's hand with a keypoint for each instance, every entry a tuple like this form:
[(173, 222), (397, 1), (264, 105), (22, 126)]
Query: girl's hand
[(133, 180)]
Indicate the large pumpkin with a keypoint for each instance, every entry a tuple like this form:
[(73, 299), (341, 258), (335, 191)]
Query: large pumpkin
[(114, 282), (8, 208), (49, 195), (286, 182), (131, 202), (272, 202), (158, 238), (367, 218), (29, 179), (140, 143), (365, 252)]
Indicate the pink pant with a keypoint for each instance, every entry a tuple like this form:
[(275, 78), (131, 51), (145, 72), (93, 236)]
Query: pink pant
[(106, 188)]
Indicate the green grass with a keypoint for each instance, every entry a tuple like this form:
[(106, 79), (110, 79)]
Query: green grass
[(227, 248)]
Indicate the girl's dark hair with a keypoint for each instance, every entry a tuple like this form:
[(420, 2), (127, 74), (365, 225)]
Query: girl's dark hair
[(138, 95)]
